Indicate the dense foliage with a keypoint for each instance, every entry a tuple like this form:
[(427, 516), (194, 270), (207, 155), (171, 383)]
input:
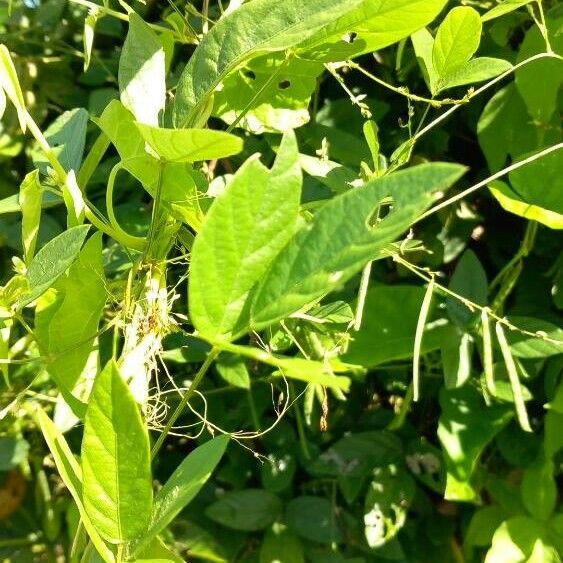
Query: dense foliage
[(281, 281)]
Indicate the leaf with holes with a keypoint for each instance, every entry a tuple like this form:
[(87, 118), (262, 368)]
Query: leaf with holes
[(271, 93), (343, 236)]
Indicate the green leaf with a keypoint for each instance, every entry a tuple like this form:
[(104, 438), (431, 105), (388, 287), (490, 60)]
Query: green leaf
[(457, 39), (52, 261), (521, 539), (469, 280), (189, 145), (88, 35), (10, 84), (370, 27), (505, 129), (119, 125), (142, 73), (340, 240), (525, 346), (513, 203), (423, 44), (66, 324), (503, 8), (67, 137), (474, 71), (313, 519), (357, 454), (13, 451), (30, 200), (182, 486), (539, 489), (247, 511), (483, 524), (237, 38), (542, 103), (272, 92), (116, 468), (280, 545), (278, 471), (233, 370), (389, 319), (71, 475), (244, 230), (465, 427), (321, 373), (385, 507)]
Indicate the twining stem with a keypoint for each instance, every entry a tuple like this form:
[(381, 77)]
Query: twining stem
[(484, 88), (490, 179), (185, 399)]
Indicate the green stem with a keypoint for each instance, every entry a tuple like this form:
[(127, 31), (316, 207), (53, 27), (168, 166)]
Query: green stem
[(185, 399), (300, 426)]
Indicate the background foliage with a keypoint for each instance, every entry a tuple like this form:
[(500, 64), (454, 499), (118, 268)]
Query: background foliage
[(344, 348)]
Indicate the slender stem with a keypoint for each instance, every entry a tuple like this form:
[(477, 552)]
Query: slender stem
[(300, 426), (488, 85), (490, 179), (403, 91), (185, 399), (362, 293)]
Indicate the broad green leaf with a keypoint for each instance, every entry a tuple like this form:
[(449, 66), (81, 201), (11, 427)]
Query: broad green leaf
[(540, 183), (513, 203), (189, 145), (10, 84), (483, 524), (67, 137), (71, 475), (66, 324), (52, 261), (244, 230), (542, 103), (118, 123), (505, 7), (505, 130), (357, 454), (343, 237), (457, 39), (280, 545), (117, 481), (272, 92), (312, 518), (525, 346), (331, 174), (182, 486), (465, 427), (389, 326), (469, 281), (539, 489), (248, 511), (369, 27), (233, 370), (521, 539), (385, 507), (237, 38), (423, 44), (142, 73), (30, 200), (474, 71)]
